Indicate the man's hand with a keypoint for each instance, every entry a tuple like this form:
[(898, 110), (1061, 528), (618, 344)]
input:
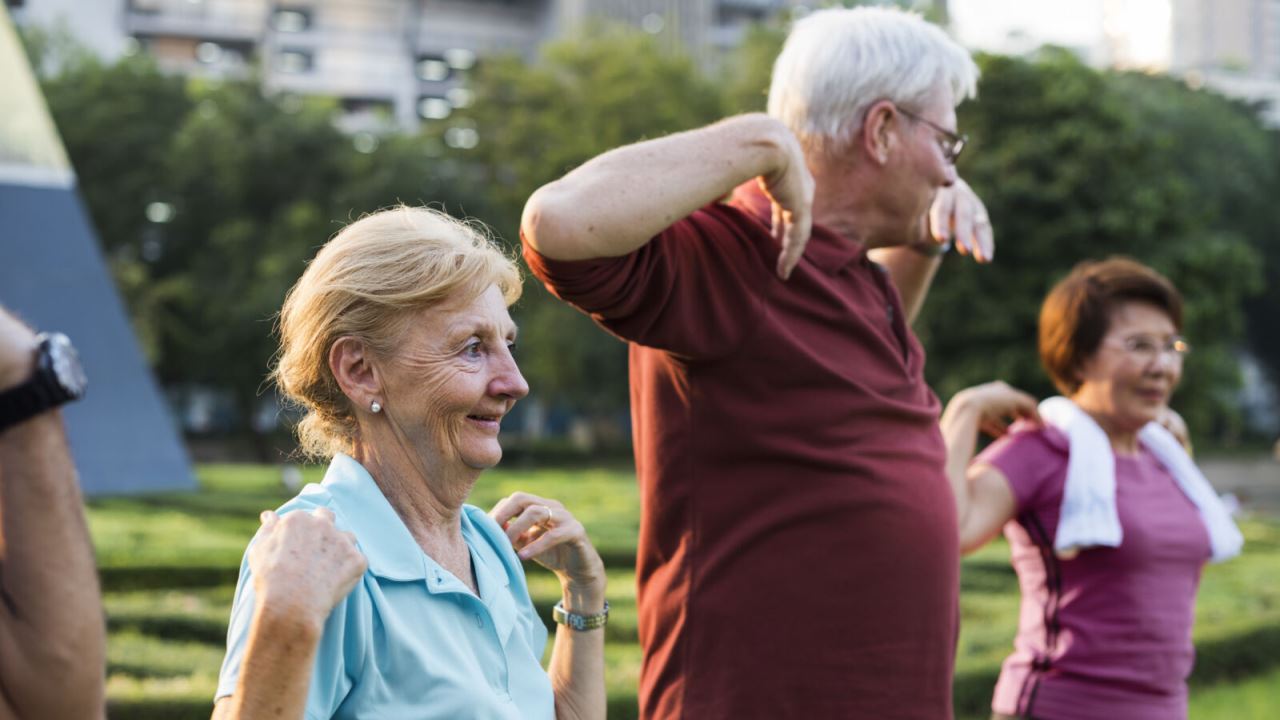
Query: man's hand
[(790, 188), (958, 216), (17, 350), (303, 564)]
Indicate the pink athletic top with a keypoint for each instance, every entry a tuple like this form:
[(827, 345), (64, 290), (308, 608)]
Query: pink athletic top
[(1107, 633)]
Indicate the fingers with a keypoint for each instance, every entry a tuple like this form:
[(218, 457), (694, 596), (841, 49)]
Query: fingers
[(540, 527), (549, 541), (986, 239), (268, 518), (940, 215), (535, 521), (957, 214), (962, 220), (796, 229), (520, 513), (791, 190)]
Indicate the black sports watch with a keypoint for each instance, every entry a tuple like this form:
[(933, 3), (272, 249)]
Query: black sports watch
[(58, 379)]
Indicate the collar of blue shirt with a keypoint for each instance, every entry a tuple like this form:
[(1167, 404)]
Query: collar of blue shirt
[(360, 507)]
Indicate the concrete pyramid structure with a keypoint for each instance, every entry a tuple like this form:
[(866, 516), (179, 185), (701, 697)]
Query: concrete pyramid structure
[(54, 276)]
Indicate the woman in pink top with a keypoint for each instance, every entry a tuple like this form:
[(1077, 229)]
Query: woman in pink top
[(1104, 632)]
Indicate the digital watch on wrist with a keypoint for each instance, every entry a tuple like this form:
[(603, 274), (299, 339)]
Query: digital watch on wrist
[(58, 379)]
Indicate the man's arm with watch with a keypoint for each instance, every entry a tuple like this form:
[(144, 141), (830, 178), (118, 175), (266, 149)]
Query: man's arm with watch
[(957, 218), (52, 636)]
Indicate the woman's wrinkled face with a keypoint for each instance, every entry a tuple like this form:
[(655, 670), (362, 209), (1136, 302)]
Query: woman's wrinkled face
[(1128, 380), (452, 379)]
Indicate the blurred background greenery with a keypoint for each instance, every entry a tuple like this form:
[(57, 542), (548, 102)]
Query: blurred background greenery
[(1073, 163)]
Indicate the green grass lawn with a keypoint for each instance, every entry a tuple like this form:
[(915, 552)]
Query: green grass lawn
[(169, 564)]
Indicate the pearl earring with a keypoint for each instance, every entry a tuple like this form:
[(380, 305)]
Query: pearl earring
[(375, 407)]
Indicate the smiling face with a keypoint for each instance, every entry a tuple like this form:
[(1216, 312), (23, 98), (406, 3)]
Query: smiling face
[(1124, 389), (451, 381)]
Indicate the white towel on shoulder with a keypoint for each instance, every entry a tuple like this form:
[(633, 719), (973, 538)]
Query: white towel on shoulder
[(1088, 516)]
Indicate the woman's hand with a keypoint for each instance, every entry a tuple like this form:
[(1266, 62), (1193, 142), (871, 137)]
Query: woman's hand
[(541, 529), (303, 564), (1174, 423), (996, 404)]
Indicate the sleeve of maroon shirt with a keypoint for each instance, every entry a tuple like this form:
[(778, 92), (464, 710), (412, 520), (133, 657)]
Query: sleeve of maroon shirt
[(1028, 457), (694, 290)]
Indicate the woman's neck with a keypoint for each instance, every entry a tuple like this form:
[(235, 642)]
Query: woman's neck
[(428, 501), (1124, 441)]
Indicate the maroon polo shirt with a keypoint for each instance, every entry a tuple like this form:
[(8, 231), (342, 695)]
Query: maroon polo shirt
[(798, 553)]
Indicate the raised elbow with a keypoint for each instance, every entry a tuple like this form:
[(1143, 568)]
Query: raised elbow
[(546, 225)]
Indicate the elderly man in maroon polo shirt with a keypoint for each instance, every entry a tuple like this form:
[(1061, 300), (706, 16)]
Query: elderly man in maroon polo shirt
[(797, 551)]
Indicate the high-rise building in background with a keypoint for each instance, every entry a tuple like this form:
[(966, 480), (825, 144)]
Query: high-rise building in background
[(1232, 46), (402, 60)]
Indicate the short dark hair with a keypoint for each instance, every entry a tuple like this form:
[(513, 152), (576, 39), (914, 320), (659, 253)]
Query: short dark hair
[(1076, 313)]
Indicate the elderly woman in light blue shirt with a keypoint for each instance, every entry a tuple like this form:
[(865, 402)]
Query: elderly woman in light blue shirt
[(380, 593)]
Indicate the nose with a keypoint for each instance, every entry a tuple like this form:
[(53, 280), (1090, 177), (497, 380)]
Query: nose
[(508, 381), (950, 175), (1165, 362)]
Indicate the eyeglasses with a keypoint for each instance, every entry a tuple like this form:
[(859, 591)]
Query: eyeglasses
[(951, 143), (1147, 349)]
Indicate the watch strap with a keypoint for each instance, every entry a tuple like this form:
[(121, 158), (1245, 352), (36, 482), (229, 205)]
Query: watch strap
[(579, 622), (37, 394), (931, 249)]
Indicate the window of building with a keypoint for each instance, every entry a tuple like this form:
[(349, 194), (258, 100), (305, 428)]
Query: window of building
[(434, 68), (294, 61), (291, 19), (460, 97), (460, 58), (432, 107), (15, 3), (208, 52)]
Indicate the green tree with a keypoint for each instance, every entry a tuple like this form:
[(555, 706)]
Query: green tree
[(247, 186), (537, 122), (1075, 164)]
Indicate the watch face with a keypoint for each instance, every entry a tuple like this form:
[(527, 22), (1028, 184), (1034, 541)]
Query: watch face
[(66, 364)]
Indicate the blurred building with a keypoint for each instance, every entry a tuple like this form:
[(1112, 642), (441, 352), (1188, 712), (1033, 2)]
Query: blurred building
[(1232, 46), (386, 60)]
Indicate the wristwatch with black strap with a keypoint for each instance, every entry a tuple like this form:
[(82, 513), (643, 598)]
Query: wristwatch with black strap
[(58, 379)]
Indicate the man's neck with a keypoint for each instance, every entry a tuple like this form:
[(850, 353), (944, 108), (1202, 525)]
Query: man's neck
[(844, 202)]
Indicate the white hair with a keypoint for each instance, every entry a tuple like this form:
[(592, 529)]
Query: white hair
[(836, 63)]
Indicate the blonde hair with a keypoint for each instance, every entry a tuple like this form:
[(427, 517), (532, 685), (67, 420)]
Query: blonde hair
[(836, 63), (364, 283)]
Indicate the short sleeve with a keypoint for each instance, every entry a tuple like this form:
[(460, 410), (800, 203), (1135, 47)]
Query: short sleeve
[(1033, 461), (338, 657), (694, 290)]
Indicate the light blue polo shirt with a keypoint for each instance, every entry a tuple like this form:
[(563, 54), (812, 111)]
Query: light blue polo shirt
[(411, 640)]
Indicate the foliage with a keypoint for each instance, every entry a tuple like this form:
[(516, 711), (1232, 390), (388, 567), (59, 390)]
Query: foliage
[(1073, 164), (253, 185), (537, 122)]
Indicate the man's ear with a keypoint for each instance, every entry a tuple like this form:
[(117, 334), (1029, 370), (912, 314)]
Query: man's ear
[(351, 364), (880, 130)]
